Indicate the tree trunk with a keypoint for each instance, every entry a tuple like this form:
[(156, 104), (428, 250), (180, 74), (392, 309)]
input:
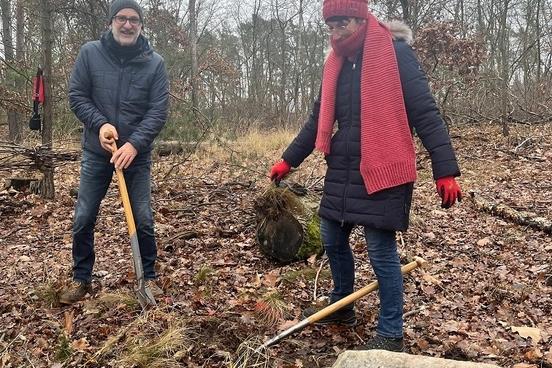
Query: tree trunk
[(47, 184), (288, 226), (193, 52), (504, 67), (20, 32), (14, 131), (406, 12), (299, 62), (19, 119)]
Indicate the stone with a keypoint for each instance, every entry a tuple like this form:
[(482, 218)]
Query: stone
[(387, 359)]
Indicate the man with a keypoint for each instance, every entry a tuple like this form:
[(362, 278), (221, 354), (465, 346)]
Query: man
[(374, 87), (118, 89)]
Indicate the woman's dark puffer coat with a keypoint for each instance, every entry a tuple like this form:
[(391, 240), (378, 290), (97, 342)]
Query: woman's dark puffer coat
[(345, 198)]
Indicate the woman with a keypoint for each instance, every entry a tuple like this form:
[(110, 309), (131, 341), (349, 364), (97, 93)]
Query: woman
[(375, 89)]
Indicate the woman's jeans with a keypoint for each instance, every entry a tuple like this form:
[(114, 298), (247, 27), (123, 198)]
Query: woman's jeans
[(382, 250), (95, 177)]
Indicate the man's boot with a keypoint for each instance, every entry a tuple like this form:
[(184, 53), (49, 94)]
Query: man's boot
[(154, 288), (74, 292)]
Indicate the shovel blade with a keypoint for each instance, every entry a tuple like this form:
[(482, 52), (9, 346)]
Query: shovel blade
[(145, 297)]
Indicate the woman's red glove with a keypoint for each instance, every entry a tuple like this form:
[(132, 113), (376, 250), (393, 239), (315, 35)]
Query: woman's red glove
[(449, 190), (279, 170)]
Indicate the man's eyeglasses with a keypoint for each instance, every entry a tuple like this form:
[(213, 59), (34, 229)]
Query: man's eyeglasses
[(121, 19)]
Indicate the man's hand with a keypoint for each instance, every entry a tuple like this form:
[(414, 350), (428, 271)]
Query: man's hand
[(279, 171), (449, 190), (108, 136), (124, 156)]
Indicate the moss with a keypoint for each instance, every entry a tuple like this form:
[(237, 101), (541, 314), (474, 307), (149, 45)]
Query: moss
[(64, 350), (204, 274), (307, 274), (312, 243)]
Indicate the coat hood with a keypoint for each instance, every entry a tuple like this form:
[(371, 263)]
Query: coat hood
[(400, 31)]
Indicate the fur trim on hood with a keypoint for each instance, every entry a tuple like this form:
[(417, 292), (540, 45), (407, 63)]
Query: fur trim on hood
[(400, 31)]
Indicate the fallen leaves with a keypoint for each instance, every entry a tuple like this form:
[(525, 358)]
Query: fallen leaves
[(484, 242), (484, 274), (81, 345)]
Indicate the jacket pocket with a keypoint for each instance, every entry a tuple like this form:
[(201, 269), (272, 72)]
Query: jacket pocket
[(102, 87), (139, 86)]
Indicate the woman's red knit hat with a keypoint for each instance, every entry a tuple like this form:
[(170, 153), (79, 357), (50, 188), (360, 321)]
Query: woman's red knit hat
[(345, 8)]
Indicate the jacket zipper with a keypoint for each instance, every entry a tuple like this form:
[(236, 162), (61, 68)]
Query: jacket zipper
[(347, 156), (118, 96)]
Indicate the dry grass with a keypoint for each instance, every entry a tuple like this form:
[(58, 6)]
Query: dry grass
[(250, 355), (253, 144), (273, 201), (155, 339), (50, 292), (258, 143), (109, 301)]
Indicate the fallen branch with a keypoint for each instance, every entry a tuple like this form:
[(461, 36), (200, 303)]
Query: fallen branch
[(510, 214), (516, 154), (184, 235), (15, 156)]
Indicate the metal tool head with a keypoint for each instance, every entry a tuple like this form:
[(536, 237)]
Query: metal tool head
[(145, 297)]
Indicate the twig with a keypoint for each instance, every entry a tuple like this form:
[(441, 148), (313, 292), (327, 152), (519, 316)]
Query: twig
[(324, 259), (195, 205), (360, 338), (9, 344), (415, 311), (188, 234), (522, 144), (315, 183), (399, 233), (538, 159)]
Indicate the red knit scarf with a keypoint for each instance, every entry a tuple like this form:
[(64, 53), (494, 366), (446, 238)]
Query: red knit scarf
[(349, 47), (386, 147)]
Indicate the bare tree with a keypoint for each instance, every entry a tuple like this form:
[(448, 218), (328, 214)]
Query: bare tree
[(192, 13), (47, 183), (14, 118)]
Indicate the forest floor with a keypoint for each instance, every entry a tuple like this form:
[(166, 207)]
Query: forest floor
[(486, 295)]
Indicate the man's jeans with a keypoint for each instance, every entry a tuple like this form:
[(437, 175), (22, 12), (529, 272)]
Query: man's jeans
[(382, 250), (95, 176)]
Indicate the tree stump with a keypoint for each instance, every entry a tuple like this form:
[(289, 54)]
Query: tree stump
[(21, 184), (288, 226)]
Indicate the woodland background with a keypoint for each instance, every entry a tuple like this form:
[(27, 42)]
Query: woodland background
[(258, 62), (243, 76)]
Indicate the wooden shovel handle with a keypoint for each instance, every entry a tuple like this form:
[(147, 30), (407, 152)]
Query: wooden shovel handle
[(418, 262), (109, 135), (123, 190)]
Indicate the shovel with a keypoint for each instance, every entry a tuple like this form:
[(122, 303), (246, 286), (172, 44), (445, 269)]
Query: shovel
[(144, 295), (419, 262)]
